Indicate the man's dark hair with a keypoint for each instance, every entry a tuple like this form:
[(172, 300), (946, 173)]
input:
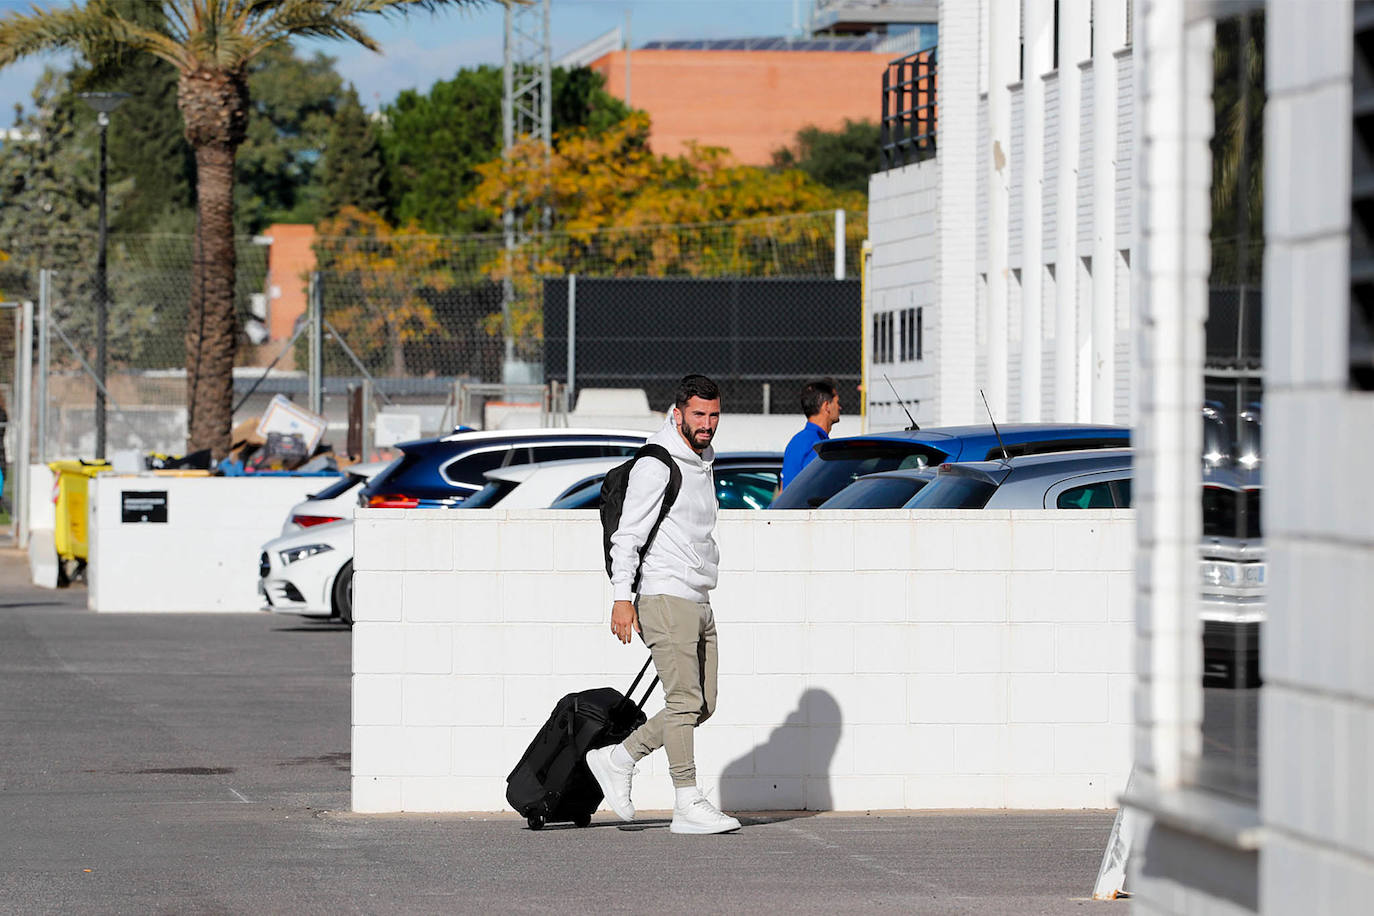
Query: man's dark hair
[(816, 395), (695, 386)]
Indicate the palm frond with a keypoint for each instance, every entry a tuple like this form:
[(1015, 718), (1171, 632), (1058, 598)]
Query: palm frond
[(86, 29)]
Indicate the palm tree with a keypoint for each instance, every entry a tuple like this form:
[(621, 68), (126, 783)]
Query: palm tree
[(211, 43)]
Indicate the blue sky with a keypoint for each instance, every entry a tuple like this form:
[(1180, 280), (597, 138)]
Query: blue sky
[(422, 48)]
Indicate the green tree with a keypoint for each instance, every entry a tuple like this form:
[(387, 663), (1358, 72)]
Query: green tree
[(433, 142), (146, 142), (839, 159), (294, 103), (1238, 99), (352, 173), (212, 44)]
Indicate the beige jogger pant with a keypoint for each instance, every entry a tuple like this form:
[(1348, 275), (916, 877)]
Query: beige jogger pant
[(681, 636)]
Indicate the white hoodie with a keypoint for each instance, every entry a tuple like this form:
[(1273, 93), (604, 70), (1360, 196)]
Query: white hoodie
[(683, 559)]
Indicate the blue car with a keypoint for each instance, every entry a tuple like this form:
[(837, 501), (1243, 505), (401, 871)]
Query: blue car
[(839, 462), (441, 473)]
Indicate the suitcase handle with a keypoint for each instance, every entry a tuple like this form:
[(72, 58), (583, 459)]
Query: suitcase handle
[(635, 683)]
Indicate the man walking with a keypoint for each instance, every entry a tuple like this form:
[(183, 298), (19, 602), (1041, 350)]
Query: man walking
[(673, 612), (820, 403)]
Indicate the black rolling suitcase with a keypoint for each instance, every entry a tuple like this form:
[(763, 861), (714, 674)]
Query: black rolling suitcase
[(551, 782)]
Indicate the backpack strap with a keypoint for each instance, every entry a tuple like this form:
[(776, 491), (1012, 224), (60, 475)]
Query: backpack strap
[(669, 497)]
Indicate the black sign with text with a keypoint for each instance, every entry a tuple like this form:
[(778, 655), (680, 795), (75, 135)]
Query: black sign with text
[(139, 506)]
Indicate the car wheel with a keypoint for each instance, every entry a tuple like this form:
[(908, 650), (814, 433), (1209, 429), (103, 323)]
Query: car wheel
[(343, 594)]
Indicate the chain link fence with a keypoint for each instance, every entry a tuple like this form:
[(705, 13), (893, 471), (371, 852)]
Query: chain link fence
[(418, 333)]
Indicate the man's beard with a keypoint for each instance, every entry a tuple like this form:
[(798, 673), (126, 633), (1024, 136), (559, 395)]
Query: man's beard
[(692, 439)]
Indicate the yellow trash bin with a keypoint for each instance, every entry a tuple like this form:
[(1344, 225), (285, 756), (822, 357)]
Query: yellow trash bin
[(69, 493)]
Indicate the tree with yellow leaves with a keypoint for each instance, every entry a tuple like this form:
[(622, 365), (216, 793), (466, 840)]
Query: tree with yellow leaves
[(620, 210), (380, 278)]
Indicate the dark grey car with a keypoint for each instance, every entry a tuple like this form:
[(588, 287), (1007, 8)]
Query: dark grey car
[(1098, 479)]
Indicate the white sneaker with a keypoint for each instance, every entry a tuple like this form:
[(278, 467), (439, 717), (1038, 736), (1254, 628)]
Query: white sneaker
[(614, 781), (700, 816)]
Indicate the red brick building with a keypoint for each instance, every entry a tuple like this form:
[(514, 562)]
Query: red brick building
[(749, 101)]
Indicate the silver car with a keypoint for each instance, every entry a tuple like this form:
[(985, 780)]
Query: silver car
[(1097, 479), (1233, 570)]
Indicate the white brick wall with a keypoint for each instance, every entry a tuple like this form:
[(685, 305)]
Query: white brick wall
[(204, 558), (868, 660), (1317, 726)]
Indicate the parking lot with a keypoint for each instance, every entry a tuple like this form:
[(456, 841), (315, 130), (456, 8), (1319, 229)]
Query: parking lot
[(199, 764)]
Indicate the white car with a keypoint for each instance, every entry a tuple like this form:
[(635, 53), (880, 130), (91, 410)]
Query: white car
[(538, 485), (309, 571), (335, 502)]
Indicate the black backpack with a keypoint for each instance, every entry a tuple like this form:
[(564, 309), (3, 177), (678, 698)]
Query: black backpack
[(613, 488)]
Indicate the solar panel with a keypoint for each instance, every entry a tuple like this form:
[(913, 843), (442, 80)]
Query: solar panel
[(864, 43)]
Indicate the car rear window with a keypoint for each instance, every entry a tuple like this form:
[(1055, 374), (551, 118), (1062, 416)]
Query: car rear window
[(836, 468), (745, 489), (490, 495), (954, 491), (587, 496), (340, 487), (877, 493), (468, 468), (1089, 496)]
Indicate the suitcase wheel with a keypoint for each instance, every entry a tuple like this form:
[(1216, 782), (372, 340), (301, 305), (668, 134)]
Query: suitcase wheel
[(583, 820), (535, 821)]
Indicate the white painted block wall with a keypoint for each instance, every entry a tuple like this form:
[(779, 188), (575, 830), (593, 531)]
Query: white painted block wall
[(205, 558), (872, 660)]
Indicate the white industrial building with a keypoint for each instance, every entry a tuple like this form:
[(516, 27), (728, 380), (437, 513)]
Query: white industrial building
[(1055, 246), (1002, 262)]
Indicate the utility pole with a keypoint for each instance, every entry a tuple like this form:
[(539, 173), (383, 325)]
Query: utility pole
[(526, 111), (103, 103)]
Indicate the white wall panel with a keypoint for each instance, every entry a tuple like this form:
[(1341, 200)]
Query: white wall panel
[(922, 631)]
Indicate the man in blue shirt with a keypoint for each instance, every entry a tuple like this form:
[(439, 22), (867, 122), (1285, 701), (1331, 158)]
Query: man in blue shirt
[(820, 402)]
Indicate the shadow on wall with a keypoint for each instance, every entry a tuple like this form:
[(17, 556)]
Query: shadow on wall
[(791, 770)]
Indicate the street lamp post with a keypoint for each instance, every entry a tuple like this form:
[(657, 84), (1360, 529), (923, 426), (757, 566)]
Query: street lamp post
[(103, 103)]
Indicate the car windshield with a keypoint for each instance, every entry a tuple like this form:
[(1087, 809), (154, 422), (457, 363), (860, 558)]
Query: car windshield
[(954, 491), (836, 468), (876, 493), (340, 487)]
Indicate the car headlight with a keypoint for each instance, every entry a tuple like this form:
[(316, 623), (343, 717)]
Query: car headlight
[(300, 553), (1215, 573)]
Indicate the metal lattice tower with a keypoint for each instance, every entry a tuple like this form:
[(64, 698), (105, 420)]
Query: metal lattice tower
[(527, 105), (526, 111)]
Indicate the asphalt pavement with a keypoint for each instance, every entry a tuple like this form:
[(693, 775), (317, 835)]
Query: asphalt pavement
[(178, 763)]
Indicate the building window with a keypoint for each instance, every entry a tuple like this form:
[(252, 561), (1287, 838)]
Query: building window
[(1021, 44), (1055, 34), (920, 334), (1230, 579), (1362, 210), (882, 338), (909, 345)]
